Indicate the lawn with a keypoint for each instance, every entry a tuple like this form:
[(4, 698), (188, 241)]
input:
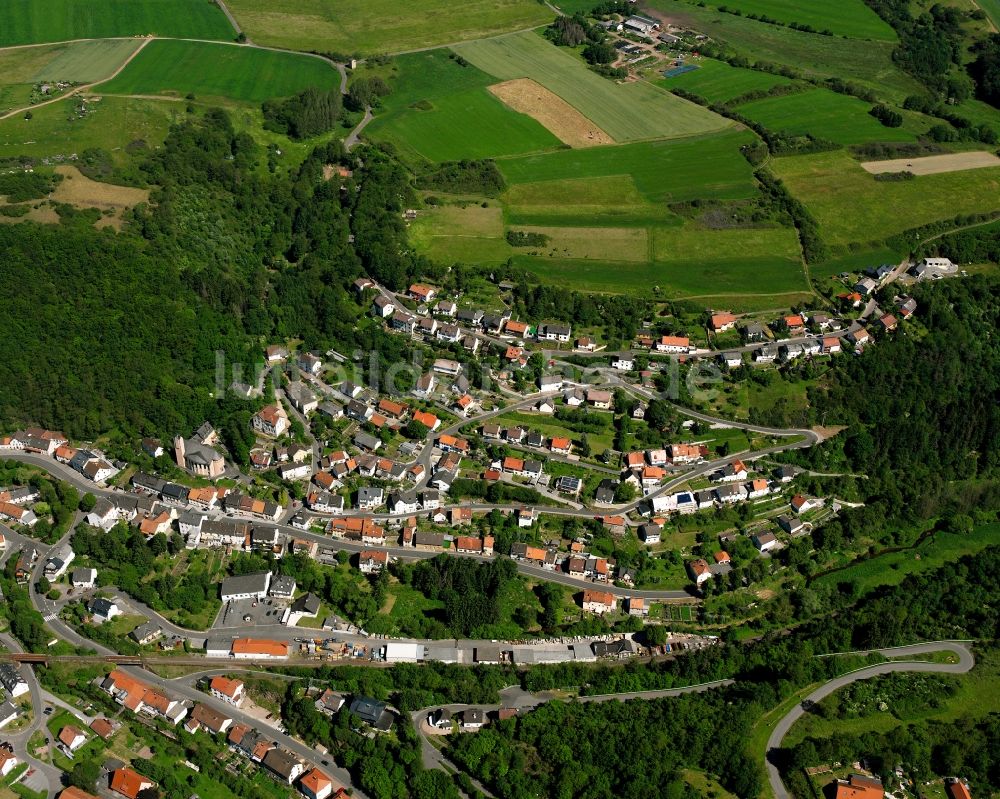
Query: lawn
[(849, 18), (663, 171), (381, 26), (627, 112), (31, 21), (825, 115), (239, 73), (851, 206), (719, 82), (817, 56)]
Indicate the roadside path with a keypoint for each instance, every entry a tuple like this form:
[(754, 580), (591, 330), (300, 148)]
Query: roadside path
[(965, 663)]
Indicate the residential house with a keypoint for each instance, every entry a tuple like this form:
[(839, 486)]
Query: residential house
[(765, 542), (422, 293), (794, 324), (790, 524), (623, 363), (316, 785), (599, 399), (560, 333), (372, 561), (129, 783), (650, 533), (857, 786), (801, 504), (103, 610), (677, 345), (699, 571), (83, 578), (859, 337), (309, 363), (283, 765), (245, 586), (721, 322), (271, 420), (598, 601)]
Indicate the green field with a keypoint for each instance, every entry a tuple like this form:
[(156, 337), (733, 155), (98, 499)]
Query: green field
[(854, 262), (707, 168), (851, 206), (719, 82), (469, 124), (824, 114), (381, 26), (992, 9), (31, 21), (239, 73), (626, 112), (851, 18), (869, 63)]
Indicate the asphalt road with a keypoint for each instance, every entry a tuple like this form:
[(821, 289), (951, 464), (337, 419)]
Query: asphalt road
[(965, 663)]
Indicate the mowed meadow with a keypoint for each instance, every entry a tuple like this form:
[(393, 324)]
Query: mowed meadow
[(381, 26), (34, 21), (848, 18), (237, 73)]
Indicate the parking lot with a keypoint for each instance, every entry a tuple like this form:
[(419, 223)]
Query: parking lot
[(252, 613)]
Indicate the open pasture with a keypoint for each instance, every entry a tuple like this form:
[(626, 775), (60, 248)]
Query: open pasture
[(663, 171), (719, 82), (34, 21), (381, 26), (824, 114), (867, 62), (235, 72), (851, 18), (626, 112), (851, 206)]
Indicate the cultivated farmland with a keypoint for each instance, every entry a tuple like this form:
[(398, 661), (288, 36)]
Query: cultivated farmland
[(31, 21), (381, 26), (555, 114), (719, 82), (824, 114), (706, 168), (851, 206), (238, 73), (627, 112), (850, 18)]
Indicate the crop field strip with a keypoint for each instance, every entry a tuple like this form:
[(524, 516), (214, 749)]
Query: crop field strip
[(238, 73), (626, 112), (35, 21), (719, 82), (381, 26)]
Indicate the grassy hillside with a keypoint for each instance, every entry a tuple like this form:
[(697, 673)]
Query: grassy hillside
[(30, 21), (850, 205), (239, 73)]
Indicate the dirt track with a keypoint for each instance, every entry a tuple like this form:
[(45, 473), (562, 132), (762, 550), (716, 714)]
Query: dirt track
[(555, 114), (934, 164)]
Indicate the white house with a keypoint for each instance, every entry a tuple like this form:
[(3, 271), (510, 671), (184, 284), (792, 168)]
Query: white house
[(623, 363)]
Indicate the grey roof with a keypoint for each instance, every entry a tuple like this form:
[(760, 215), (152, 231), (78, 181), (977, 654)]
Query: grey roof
[(367, 709), (307, 603), (143, 631), (281, 763), (246, 584), (282, 584), (368, 494), (82, 575), (367, 441), (101, 606), (7, 710), (10, 676)]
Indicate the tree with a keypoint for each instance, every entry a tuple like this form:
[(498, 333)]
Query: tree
[(415, 431), (585, 450), (84, 774), (87, 502)]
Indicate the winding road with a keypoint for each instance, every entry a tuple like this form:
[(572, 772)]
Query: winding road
[(965, 663)]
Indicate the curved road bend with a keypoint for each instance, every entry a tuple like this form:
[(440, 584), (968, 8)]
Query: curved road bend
[(965, 663)]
